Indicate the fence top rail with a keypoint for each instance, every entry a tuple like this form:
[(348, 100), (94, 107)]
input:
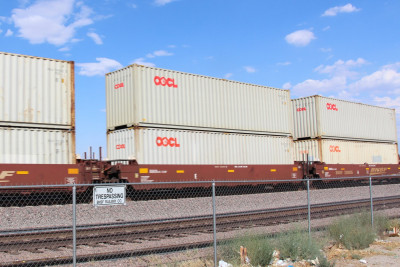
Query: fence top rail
[(206, 183)]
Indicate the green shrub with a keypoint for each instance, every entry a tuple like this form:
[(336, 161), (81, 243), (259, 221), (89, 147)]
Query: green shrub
[(356, 232), (259, 250), (296, 245)]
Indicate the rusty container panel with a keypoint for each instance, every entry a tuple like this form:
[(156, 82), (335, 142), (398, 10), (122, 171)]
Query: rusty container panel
[(37, 146), (151, 97), (346, 152), (323, 117), (170, 146), (36, 92)]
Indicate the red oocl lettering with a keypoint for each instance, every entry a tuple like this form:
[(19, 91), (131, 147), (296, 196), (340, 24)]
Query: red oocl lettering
[(330, 106), (121, 146), (301, 109), (334, 149), (165, 81), (165, 141), (119, 85)]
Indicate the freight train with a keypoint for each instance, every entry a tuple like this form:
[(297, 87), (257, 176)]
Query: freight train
[(169, 126)]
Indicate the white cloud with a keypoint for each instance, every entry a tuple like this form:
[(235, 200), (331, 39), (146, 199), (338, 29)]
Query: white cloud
[(326, 50), (162, 2), (287, 85), (54, 22), (333, 11), (228, 75), (312, 87), (384, 80), (1, 30), (389, 102), (249, 69), (341, 68), (172, 46), (64, 49), (300, 38), (103, 66), (141, 61), (326, 28), (9, 33), (349, 84), (159, 53), (95, 37), (286, 63)]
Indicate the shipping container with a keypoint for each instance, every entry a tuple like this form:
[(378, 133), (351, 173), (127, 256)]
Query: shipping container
[(151, 97), (36, 92), (323, 117), (170, 146), (346, 152), (37, 146)]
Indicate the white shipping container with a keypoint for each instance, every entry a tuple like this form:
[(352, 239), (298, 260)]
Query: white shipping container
[(36, 92), (346, 152), (169, 146), (36, 146), (144, 96), (318, 116)]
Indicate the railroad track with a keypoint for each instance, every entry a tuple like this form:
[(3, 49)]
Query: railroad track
[(137, 232)]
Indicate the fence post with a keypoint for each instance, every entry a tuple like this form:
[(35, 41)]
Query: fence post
[(214, 225), (372, 204), (74, 225), (308, 207)]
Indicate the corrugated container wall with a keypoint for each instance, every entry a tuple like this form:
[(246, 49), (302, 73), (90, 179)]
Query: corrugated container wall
[(36, 92), (36, 146), (163, 146), (346, 152), (145, 96), (318, 116)]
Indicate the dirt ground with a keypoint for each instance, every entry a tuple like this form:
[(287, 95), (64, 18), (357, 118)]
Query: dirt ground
[(381, 253)]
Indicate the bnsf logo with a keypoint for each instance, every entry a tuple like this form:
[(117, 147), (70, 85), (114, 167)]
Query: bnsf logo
[(119, 85), (330, 106), (165, 141), (122, 146), (165, 81), (334, 149), (4, 175), (301, 109)]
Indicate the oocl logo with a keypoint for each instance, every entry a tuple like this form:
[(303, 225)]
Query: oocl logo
[(301, 109), (121, 146), (330, 106), (165, 81), (118, 85), (165, 141), (334, 149)]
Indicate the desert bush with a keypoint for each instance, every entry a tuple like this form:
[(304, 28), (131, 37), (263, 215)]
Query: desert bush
[(356, 231)]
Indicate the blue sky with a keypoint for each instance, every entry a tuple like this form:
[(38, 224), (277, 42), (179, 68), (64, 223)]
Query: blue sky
[(343, 49)]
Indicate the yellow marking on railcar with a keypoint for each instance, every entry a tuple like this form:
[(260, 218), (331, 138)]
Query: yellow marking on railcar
[(273, 170), (22, 172), (180, 171), (143, 170), (231, 170), (73, 171), (295, 169)]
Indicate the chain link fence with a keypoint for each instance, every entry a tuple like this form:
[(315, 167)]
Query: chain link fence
[(125, 225)]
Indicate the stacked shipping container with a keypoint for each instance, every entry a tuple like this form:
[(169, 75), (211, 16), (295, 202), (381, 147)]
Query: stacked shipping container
[(341, 132), (37, 112), (167, 117)]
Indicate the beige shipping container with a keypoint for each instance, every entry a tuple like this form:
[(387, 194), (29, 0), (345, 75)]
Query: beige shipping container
[(346, 152), (37, 146), (169, 146), (151, 97), (318, 116), (36, 92)]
